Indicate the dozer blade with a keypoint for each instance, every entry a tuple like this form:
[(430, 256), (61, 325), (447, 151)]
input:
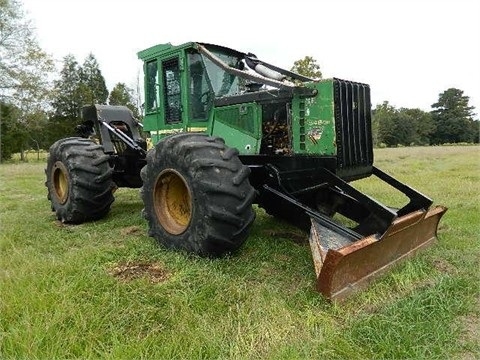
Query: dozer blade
[(344, 265)]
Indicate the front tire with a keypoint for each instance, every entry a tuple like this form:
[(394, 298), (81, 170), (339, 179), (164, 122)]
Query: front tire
[(197, 195), (79, 180)]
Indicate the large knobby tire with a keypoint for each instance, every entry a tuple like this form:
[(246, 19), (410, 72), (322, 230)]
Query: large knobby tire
[(79, 180), (197, 195)]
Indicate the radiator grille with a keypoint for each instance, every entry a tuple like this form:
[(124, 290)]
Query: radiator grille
[(353, 124)]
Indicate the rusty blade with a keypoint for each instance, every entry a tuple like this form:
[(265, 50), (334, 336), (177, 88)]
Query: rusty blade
[(343, 266)]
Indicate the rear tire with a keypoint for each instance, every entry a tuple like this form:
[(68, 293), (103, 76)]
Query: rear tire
[(197, 195), (79, 180)]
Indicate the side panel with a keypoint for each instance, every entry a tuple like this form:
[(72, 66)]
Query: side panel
[(313, 121), (245, 144), (239, 126)]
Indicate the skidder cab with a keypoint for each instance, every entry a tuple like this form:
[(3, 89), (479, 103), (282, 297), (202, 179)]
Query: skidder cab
[(229, 131)]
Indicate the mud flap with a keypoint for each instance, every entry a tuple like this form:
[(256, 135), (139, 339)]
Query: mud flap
[(344, 266)]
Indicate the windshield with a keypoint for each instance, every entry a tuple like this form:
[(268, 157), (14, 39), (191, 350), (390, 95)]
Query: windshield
[(223, 83)]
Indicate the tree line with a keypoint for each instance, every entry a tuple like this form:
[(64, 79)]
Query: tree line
[(35, 110), (451, 119), (76, 86), (79, 86)]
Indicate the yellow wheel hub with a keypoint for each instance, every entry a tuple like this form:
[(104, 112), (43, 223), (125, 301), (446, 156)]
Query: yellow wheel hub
[(60, 182), (172, 202)]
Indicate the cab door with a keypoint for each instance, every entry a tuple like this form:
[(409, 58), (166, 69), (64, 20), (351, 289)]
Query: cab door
[(171, 101), (164, 102), (200, 94)]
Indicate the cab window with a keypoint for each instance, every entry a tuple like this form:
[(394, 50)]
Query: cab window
[(200, 93), (151, 101), (224, 83), (171, 90)]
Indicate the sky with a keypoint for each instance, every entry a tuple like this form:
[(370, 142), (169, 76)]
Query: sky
[(408, 51)]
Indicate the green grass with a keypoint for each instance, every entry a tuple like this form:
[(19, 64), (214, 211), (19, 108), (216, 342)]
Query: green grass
[(106, 290)]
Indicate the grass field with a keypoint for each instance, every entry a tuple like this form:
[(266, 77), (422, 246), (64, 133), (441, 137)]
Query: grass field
[(106, 290)]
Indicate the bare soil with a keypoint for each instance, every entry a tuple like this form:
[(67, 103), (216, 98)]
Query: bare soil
[(154, 272)]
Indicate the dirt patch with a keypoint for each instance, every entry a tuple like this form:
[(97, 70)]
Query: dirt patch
[(444, 266), (61, 224), (132, 230), (58, 223), (471, 332), (154, 272), (472, 327)]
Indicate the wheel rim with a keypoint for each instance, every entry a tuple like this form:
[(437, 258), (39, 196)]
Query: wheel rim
[(172, 202), (60, 182)]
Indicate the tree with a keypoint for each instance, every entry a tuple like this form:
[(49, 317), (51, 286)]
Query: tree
[(92, 82), (9, 142), (453, 118), (123, 95), (77, 87), (422, 123), (307, 67), (24, 81), (392, 127), (67, 99), (24, 66), (383, 124)]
